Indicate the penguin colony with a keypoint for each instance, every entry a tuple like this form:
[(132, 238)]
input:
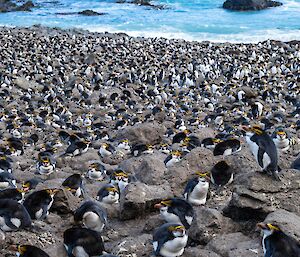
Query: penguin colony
[(65, 95)]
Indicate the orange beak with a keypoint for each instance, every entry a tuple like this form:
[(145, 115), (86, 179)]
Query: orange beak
[(157, 206)]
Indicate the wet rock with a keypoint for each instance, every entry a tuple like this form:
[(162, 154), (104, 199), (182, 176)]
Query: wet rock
[(249, 5), (90, 13), (139, 199), (207, 224), (26, 7), (147, 133)]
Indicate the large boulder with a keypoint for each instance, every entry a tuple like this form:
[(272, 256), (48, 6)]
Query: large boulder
[(256, 195), (249, 5), (139, 199), (147, 133)]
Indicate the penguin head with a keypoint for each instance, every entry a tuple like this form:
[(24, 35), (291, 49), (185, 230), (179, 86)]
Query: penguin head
[(203, 177), (177, 231), (176, 154), (105, 145), (164, 205), (22, 249), (52, 192), (254, 130), (120, 175), (149, 147), (45, 161), (269, 228), (280, 134)]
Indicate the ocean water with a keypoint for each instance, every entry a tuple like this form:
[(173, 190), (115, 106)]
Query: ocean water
[(188, 19)]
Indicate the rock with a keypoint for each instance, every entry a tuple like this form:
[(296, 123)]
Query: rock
[(26, 7), (249, 5), (25, 84), (146, 133), (151, 170), (152, 223), (256, 195), (207, 224), (198, 252), (139, 199), (90, 13), (134, 246), (288, 222), (228, 245)]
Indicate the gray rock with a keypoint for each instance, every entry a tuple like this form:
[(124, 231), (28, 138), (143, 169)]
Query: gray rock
[(147, 133), (139, 199), (228, 245), (207, 224), (249, 5), (198, 252)]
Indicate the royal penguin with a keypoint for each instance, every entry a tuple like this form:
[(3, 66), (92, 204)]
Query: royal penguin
[(13, 216), (120, 179), (227, 147), (281, 139), (197, 188), (221, 174), (77, 148), (164, 148), (264, 150), (169, 240), (30, 251), (257, 109), (210, 142), (276, 243), (173, 158), (83, 242), (106, 150), (13, 194), (74, 184), (96, 171), (176, 210), (140, 149), (45, 165), (124, 147), (31, 184), (91, 215), (38, 203), (7, 180), (108, 194), (180, 136), (5, 163)]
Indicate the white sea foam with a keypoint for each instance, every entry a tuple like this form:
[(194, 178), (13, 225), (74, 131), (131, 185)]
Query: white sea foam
[(247, 37)]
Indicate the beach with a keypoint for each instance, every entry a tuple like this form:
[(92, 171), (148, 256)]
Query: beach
[(140, 89)]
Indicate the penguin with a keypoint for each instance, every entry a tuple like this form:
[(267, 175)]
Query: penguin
[(7, 180), (169, 240), (74, 184), (30, 251), (16, 146), (210, 143), (124, 147), (197, 188), (106, 150), (119, 178), (173, 158), (221, 174), (96, 171), (257, 109), (264, 150), (13, 194), (38, 203), (5, 164), (13, 216), (281, 140), (179, 137), (276, 243), (139, 149), (92, 216), (85, 242), (108, 194), (45, 165), (176, 210), (227, 147), (164, 148), (77, 148), (31, 184)]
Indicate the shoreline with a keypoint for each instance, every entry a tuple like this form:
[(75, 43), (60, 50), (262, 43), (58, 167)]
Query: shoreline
[(167, 36)]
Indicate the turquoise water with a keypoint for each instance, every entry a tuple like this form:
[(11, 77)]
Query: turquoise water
[(191, 20)]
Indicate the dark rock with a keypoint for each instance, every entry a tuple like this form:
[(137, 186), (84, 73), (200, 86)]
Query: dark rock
[(198, 252), (90, 13), (249, 5), (26, 7), (256, 195), (139, 199)]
